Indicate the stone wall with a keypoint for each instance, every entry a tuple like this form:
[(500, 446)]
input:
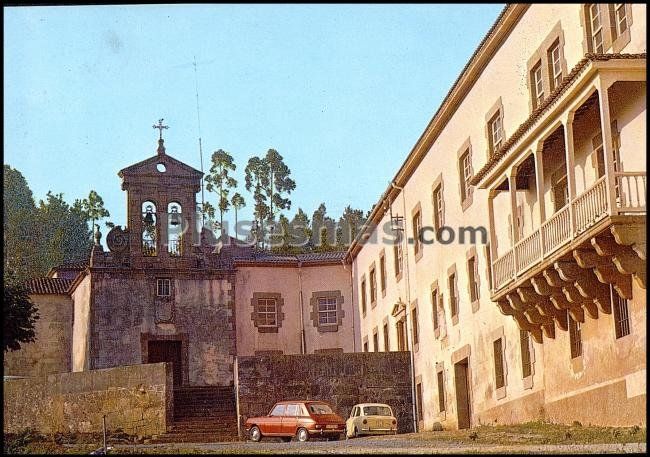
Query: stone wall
[(342, 380), (138, 399)]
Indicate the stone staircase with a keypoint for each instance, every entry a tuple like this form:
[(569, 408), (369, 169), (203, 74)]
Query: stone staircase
[(202, 415)]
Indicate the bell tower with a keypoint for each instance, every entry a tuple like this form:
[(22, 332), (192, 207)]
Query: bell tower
[(161, 208)]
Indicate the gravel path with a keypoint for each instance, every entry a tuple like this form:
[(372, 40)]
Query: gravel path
[(379, 446)]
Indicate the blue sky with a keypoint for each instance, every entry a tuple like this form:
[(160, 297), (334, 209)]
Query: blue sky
[(332, 88)]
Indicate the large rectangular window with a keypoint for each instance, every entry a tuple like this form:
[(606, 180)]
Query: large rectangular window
[(382, 272), (453, 299), (620, 18), (373, 286), (621, 315), (417, 226), (327, 311), (526, 366), (418, 396), (438, 209), (363, 296), (163, 287), (496, 132), (499, 374), (441, 391), (596, 28), (537, 84), (267, 312), (375, 340), (434, 309), (465, 167), (386, 340), (415, 326), (472, 271), (555, 65), (397, 251), (575, 338)]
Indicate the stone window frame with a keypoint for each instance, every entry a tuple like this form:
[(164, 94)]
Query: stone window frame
[(473, 254), (494, 336), (419, 398), (372, 280), (418, 246), (364, 298), (435, 308), (314, 315), (415, 325), (466, 190), (438, 186), (279, 303), (493, 112), (611, 38), (454, 316), (542, 57), (382, 272), (442, 392), (375, 339), (386, 331), (527, 380)]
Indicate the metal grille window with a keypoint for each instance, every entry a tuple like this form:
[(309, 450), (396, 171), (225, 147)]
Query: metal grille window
[(438, 213), (575, 338), (466, 175), (537, 84), (441, 391), (596, 29), (621, 316), (496, 132), (555, 65), (163, 287), (267, 312), (453, 299), (498, 364), (526, 366), (327, 311)]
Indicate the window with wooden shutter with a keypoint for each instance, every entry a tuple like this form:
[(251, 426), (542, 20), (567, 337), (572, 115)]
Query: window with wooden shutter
[(499, 374)]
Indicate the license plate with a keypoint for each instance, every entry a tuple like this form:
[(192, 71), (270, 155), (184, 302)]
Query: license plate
[(332, 426)]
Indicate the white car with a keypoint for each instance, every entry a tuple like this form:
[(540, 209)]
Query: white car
[(370, 419)]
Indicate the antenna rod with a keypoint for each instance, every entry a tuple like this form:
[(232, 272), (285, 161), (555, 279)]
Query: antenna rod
[(198, 116)]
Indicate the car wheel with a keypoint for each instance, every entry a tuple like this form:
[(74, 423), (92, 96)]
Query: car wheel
[(255, 433), (286, 439), (356, 433), (302, 435)]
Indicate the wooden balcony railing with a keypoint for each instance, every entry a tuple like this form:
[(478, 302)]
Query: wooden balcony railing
[(586, 210)]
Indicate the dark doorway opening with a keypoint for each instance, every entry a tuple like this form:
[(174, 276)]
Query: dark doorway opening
[(461, 377), (167, 351)]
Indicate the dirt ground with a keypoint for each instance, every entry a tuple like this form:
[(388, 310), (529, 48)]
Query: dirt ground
[(536, 438)]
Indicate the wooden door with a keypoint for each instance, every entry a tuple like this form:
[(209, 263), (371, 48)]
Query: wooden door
[(167, 351), (462, 393)]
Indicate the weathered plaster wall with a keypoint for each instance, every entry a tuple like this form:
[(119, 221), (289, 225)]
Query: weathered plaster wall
[(342, 380), (137, 399), (50, 353), (126, 313), (81, 327)]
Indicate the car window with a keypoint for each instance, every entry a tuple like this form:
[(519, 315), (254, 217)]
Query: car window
[(320, 408), (377, 410), (303, 410), (292, 410), (278, 410), (353, 413)]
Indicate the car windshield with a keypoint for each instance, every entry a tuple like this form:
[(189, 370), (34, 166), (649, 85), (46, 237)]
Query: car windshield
[(377, 410), (320, 408)]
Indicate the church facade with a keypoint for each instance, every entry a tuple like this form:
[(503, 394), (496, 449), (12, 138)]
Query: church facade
[(162, 292)]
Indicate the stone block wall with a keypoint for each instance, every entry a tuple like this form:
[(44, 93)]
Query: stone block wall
[(341, 379), (138, 399)]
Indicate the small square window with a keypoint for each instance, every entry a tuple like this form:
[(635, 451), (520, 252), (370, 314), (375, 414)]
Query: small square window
[(267, 312), (163, 287), (327, 308)]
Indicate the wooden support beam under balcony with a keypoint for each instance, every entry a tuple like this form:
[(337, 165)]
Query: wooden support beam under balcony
[(544, 307), (603, 268), (633, 235)]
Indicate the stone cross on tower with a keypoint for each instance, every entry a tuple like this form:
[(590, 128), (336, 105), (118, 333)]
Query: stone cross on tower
[(160, 127)]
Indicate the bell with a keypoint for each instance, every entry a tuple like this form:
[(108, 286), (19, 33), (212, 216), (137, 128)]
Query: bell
[(174, 217), (148, 218)]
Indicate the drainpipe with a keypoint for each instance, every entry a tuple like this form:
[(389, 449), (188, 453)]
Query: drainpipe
[(353, 308), (303, 342), (409, 338)]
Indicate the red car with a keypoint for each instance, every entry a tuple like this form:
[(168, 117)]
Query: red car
[(302, 419)]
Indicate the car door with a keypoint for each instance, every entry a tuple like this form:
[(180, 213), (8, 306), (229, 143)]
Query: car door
[(290, 419), (272, 426), (350, 423)]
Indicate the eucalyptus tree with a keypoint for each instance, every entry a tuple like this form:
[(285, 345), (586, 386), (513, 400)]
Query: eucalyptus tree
[(219, 180), (237, 202), (279, 183)]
